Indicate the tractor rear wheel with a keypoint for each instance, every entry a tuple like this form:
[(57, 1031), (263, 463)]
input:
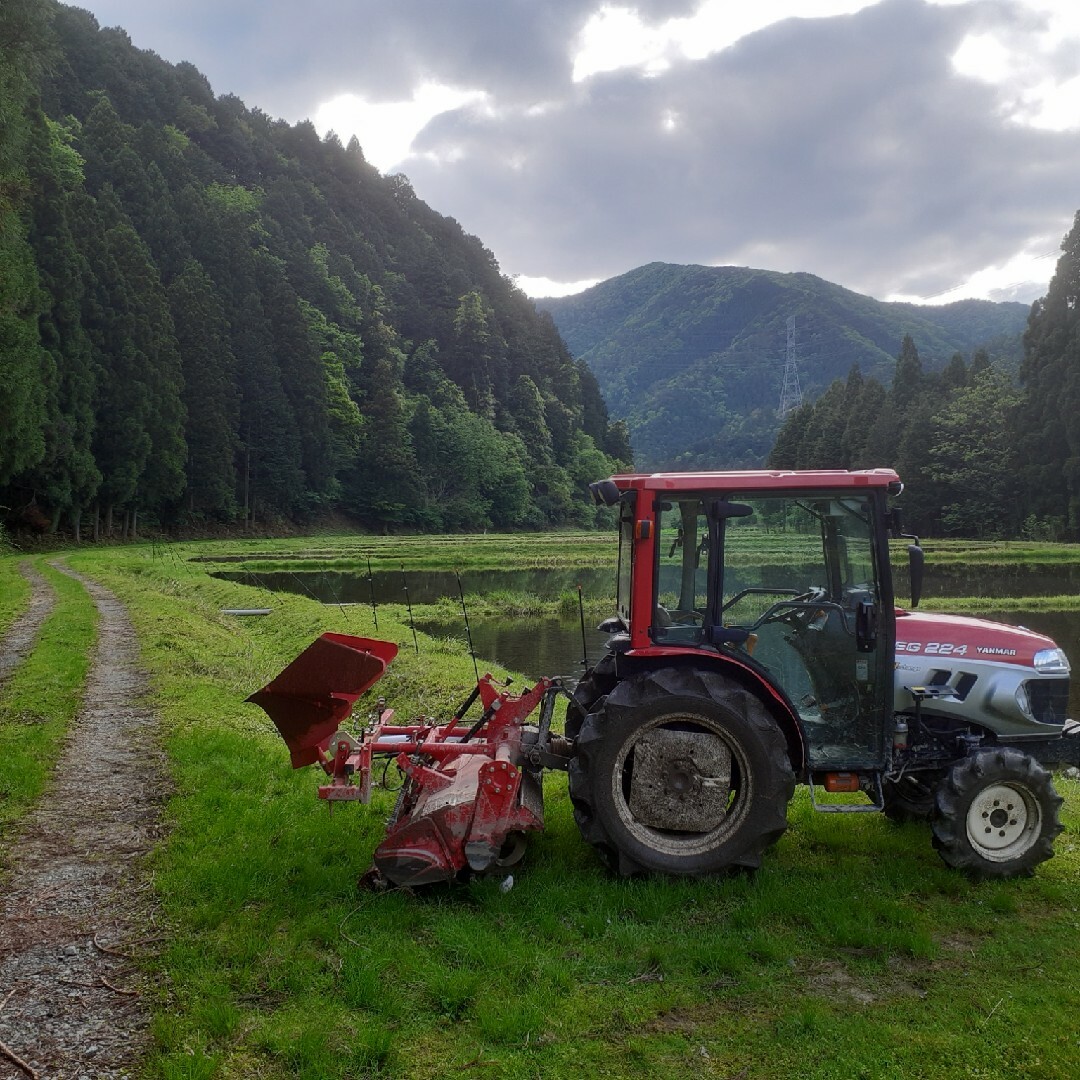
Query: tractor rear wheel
[(997, 814), (680, 771), (596, 682)]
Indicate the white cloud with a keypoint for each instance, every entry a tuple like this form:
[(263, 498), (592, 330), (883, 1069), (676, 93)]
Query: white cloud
[(1022, 278), (386, 129), (616, 37), (1034, 65), (542, 286)]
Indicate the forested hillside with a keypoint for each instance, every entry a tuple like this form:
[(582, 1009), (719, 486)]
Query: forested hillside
[(693, 356), (982, 454), (210, 316)]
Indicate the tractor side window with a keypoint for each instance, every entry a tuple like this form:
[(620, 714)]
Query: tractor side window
[(682, 573)]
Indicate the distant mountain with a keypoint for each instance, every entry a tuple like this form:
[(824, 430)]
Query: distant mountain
[(693, 357)]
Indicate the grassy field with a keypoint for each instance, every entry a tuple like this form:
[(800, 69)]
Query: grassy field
[(854, 952)]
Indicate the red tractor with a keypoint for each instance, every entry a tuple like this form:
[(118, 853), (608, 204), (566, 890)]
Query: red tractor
[(755, 644)]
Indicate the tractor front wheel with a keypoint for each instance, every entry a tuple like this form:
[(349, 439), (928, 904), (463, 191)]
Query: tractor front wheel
[(680, 771), (997, 814)]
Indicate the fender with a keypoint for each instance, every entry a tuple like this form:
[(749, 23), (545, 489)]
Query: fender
[(742, 669)]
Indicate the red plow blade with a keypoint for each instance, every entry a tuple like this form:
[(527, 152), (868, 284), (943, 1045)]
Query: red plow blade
[(300, 701)]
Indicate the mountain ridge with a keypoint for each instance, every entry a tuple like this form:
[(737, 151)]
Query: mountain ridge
[(702, 350)]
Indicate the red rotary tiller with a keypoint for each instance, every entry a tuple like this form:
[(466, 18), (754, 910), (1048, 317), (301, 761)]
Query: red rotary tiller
[(471, 790)]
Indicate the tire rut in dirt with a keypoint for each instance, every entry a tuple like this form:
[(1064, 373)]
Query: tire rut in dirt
[(685, 721), (20, 639), (74, 903), (996, 814)]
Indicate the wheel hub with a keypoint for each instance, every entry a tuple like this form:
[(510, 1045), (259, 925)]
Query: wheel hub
[(1003, 821), (680, 781)]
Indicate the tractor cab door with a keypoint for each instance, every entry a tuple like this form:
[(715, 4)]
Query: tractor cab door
[(800, 576)]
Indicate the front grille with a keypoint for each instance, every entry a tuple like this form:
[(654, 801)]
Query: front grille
[(1049, 699)]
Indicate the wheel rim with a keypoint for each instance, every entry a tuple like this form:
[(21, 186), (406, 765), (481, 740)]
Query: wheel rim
[(1003, 822), (668, 841)]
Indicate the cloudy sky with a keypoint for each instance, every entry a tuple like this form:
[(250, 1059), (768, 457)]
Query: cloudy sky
[(907, 149)]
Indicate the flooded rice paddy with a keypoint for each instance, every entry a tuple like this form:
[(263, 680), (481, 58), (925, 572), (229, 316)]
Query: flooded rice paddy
[(552, 643)]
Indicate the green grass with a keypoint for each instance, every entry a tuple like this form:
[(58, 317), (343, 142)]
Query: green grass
[(854, 952), (14, 590), (974, 605), (554, 549), (43, 695)]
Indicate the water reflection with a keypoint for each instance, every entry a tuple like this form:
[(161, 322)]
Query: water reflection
[(533, 646), (1020, 580), (552, 645), (425, 586)]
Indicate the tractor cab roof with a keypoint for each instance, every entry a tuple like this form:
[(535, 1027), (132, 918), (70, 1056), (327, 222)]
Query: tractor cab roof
[(760, 480)]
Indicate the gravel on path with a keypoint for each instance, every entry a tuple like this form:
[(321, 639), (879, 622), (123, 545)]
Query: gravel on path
[(76, 907)]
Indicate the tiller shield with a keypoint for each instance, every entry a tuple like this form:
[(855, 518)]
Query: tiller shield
[(471, 790)]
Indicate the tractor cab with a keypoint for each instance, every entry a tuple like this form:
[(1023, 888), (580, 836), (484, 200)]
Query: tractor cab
[(786, 573)]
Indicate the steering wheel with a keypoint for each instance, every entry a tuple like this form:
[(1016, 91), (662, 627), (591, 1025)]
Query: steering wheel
[(687, 615), (675, 616), (784, 612)]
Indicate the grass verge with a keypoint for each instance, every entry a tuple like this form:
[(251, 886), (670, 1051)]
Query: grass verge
[(14, 590), (42, 696)]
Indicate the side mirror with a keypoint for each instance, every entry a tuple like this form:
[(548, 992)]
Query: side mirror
[(916, 559), (605, 492)]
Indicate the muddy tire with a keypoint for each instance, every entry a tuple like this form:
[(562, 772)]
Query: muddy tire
[(997, 814), (596, 682), (911, 798), (680, 772)]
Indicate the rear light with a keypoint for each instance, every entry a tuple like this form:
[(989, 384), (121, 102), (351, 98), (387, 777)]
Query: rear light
[(841, 781)]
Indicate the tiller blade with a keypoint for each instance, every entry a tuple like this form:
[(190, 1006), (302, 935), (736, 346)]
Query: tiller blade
[(471, 790)]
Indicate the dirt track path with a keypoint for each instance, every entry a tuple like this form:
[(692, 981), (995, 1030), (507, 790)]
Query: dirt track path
[(21, 638), (75, 904)]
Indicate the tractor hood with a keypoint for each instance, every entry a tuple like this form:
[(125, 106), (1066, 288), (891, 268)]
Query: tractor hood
[(927, 634), (316, 692)]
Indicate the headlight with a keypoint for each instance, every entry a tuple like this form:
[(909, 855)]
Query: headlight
[(1051, 662), (1023, 701)]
